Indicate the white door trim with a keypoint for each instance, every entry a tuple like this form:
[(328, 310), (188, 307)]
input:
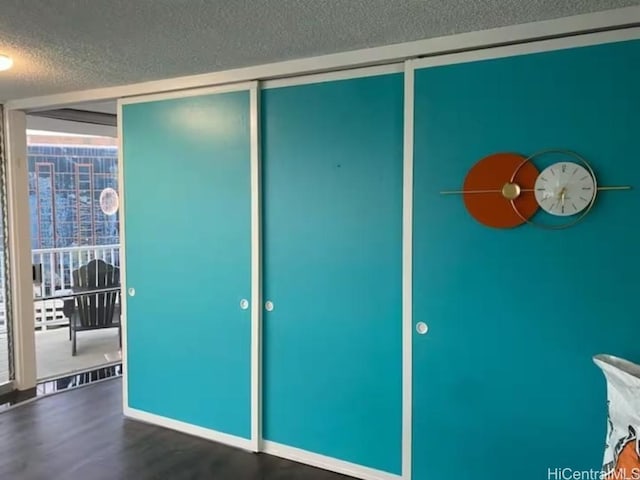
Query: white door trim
[(123, 263), (326, 463), (608, 19), (256, 270), (407, 273), (252, 444), (539, 46), (193, 92), (346, 74), (19, 250)]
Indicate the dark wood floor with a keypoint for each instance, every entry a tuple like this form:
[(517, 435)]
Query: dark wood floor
[(81, 435)]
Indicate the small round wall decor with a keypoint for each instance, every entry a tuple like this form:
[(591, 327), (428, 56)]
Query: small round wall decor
[(109, 201)]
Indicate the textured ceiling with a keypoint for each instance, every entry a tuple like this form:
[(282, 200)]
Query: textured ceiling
[(66, 45)]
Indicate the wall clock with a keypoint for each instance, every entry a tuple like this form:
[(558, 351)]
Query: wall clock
[(565, 188), (505, 190)]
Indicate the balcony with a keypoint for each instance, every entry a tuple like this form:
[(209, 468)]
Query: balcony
[(53, 347), (53, 352)]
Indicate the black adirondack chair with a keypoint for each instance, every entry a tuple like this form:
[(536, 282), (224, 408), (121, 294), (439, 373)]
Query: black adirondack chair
[(93, 311)]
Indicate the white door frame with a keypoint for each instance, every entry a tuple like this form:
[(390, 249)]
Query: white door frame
[(19, 250), (252, 444), (315, 459), (410, 68), (407, 273)]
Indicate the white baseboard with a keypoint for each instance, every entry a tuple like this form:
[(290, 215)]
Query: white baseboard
[(224, 438), (326, 463), (271, 448)]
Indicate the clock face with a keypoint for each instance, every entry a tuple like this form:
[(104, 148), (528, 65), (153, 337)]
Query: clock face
[(564, 189)]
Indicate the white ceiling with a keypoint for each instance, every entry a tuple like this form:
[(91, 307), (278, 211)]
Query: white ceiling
[(67, 45)]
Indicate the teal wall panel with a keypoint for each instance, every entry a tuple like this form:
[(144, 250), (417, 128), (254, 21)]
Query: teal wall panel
[(187, 186), (332, 169), (504, 385)]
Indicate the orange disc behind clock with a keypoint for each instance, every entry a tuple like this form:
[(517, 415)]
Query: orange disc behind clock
[(492, 173)]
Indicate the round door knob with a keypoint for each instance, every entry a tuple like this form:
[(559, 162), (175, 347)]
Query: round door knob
[(244, 304), (422, 328), (268, 306), (132, 292)]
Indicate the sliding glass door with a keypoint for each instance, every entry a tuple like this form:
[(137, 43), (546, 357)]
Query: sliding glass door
[(6, 344)]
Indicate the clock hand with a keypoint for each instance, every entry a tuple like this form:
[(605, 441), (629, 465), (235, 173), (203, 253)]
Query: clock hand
[(616, 187)]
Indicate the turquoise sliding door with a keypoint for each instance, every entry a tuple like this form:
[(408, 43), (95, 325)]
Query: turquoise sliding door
[(332, 196), (188, 252), (503, 382)]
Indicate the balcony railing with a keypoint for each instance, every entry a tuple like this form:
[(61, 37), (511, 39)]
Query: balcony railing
[(56, 266)]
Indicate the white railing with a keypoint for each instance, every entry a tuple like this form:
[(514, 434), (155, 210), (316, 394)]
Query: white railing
[(57, 266)]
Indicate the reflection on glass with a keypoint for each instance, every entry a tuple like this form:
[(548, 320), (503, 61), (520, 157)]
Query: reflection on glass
[(60, 384), (5, 333)]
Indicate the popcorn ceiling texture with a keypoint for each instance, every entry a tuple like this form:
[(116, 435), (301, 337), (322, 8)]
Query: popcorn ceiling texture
[(67, 45)]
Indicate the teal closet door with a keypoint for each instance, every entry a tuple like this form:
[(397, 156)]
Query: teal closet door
[(188, 249), (332, 173), (504, 385)]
